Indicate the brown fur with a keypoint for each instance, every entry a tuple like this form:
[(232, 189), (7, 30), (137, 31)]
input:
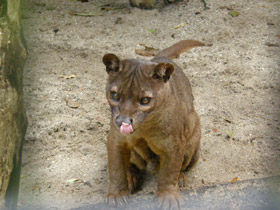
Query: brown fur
[(166, 137)]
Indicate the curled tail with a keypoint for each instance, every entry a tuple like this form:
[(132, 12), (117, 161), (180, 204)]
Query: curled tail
[(175, 50)]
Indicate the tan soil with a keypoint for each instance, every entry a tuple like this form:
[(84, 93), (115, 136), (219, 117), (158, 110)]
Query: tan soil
[(235, 83)]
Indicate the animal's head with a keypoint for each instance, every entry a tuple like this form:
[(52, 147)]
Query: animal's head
[(135, 88)]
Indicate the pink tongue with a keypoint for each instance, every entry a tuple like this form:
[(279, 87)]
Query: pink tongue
[(126, 129)]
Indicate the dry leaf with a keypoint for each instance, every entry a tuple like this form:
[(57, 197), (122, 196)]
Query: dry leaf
[(106, 8), (225, 7), (68, 77), (147, 51), (271, 44), (87, 14), (215, 130), (235, 179), (253, 139), (72, 180), (72, 104), (228, 121), (77, 180), (180, 26)]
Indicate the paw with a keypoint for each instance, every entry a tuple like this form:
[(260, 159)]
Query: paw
[(169, 200), (133, 182), (134, 179), (182, 181), (117, 199)]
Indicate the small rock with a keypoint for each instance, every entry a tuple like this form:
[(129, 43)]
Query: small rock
[(118, 20)]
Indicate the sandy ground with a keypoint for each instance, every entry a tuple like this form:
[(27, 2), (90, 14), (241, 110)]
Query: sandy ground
[(235, 82)]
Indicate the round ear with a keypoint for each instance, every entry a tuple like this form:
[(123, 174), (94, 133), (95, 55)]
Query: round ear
[(112, 62), (163, 71)]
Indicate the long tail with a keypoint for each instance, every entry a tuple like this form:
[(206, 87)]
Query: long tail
[(175, 50)]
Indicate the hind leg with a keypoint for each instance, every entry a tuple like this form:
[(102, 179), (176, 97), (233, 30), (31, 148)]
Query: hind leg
[(192, 152), (134, 178), (182, 180), (195, 158), (134, 173)]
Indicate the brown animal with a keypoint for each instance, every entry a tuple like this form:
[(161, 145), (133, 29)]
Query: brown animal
[(154, 125)]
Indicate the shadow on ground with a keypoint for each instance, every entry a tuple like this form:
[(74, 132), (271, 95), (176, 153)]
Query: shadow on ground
[(254, 194)]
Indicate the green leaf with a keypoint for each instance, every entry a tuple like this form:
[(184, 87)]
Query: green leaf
[(234, 13), (23, 176), (229, 134), (153, 31)]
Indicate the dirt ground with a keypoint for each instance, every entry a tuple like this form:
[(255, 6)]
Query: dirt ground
[(235, 82)]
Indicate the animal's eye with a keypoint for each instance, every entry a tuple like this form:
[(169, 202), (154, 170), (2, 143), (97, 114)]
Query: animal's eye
[(145, 101), (115, 96)]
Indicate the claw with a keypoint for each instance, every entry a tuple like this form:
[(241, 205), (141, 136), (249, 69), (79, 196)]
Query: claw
[(182, 180), (169, 201), (125, 199), (117, 199), (111, 201)]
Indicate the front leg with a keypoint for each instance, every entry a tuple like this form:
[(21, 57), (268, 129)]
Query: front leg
[(118, 160), (170, 167)]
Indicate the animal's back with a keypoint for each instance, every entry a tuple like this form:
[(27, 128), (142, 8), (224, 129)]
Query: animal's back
[(179, 83)]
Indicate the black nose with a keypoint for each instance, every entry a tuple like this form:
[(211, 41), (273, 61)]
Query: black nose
[(121, 118)]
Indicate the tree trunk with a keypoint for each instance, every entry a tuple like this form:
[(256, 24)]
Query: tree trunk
[(12, 114)]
